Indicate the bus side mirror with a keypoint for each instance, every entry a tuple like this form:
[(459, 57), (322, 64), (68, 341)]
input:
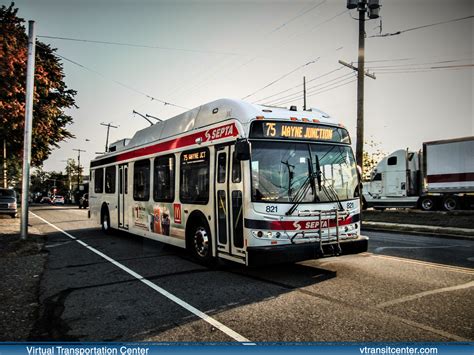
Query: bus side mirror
[(242, 149)]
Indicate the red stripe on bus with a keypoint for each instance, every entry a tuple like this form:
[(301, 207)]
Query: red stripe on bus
[(450, 177), (220, 132)]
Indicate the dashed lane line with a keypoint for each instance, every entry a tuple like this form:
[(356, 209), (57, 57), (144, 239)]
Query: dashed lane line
[(215, 323)]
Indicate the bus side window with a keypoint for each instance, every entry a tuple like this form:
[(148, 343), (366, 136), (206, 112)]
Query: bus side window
[(141, 180), (110, 179), (194, 178), (99, 180), (163, 181)]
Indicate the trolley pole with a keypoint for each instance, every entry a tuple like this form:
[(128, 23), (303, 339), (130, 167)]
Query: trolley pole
[(30, 78)]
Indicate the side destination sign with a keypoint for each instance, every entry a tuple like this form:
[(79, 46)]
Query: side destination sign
[(297, 130), (220, 132)]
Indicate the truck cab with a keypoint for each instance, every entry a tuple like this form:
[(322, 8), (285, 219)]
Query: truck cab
[(395, 180)]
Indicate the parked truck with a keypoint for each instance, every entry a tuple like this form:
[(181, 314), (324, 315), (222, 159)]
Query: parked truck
[(440, 176)]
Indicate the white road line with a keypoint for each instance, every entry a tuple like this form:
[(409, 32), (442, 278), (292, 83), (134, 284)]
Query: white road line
[(463, 270), (187, 306), (426, 293)]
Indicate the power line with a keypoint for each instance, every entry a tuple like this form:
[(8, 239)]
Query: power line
[(297, 86), (282, 77), (328, 88), (115, 81), (425, 63), (140, 45), (420, 27), (311, 89), (297, 16)]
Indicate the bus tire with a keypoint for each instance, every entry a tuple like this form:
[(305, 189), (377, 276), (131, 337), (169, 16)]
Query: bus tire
[(105, 220), (199, 241)]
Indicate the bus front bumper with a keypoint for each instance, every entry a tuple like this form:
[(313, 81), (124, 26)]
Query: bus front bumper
[(290, 253)]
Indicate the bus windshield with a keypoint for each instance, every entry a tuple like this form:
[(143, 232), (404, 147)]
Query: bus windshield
[(281, 170)]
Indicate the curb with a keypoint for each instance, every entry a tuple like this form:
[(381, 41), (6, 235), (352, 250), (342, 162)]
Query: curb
[(457, 233)]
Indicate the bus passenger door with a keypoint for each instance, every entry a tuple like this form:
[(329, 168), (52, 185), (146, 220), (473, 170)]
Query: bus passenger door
[(122, 197), (228, 197)]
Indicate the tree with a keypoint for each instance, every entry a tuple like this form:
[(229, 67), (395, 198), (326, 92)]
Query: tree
[(372, 158), (51, 96)]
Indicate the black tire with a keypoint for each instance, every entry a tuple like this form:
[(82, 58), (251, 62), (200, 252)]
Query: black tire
[(199, 242), (13, 215), (105, 221), (450, 203), (381, 209), (427, 203)]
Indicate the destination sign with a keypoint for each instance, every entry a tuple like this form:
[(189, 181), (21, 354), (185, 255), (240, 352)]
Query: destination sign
[(298, 131)]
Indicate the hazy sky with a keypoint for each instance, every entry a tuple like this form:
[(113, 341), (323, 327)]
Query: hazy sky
[(205, 50)]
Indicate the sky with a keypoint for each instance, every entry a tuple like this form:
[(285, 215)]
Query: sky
[(188, 53)]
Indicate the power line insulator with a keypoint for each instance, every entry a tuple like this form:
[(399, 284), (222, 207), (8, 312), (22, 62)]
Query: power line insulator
[(374, 13)]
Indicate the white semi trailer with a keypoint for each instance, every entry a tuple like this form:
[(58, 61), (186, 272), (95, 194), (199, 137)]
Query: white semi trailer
[(440, 176)]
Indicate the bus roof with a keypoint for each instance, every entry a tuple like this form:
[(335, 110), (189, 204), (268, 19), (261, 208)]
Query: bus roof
[(212, 113)]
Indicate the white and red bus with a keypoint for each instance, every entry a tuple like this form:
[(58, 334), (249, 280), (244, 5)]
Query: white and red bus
[(237, 181)]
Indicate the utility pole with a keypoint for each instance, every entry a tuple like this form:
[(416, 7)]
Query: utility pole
[(372, 7), (108, 125), (304, 93), (78, 167), (30, 78), (5, 182)]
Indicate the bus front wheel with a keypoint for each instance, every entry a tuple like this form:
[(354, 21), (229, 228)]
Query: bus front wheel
[(200, 243), (105, 220)]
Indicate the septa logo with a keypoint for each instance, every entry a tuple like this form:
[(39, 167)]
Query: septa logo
[(220, 132), (177, 213)]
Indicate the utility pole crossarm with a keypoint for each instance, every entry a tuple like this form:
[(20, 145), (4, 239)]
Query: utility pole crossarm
[(372, 76)]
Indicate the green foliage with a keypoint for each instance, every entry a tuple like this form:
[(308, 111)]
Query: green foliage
[(51, 96)]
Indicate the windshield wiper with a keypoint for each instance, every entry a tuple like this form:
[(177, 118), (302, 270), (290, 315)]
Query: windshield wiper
[(303, 190)]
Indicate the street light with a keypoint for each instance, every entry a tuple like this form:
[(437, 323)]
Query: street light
[(372, 9)]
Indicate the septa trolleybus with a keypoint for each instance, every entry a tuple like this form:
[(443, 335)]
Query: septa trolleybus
[(237, 181)]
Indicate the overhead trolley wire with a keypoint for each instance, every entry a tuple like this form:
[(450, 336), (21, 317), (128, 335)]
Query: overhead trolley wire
[(166, 103), (297, 16), (140, 45), (312, 88), (282, 77), (297, 86)]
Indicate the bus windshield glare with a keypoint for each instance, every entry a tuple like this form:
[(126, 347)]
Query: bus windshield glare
[(280, 169)]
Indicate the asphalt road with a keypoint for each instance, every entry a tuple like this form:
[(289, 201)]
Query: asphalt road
[(120, 287), (435, 249)]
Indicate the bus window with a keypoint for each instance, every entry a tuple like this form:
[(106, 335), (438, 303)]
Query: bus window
[(236, 170), (163, 179), (110, 179), (99, 181), (141, 180), (221, 166), (194, 181)]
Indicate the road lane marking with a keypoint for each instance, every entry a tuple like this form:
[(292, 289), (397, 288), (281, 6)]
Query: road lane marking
[(460, 269), (425, 293), (215, 323)]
